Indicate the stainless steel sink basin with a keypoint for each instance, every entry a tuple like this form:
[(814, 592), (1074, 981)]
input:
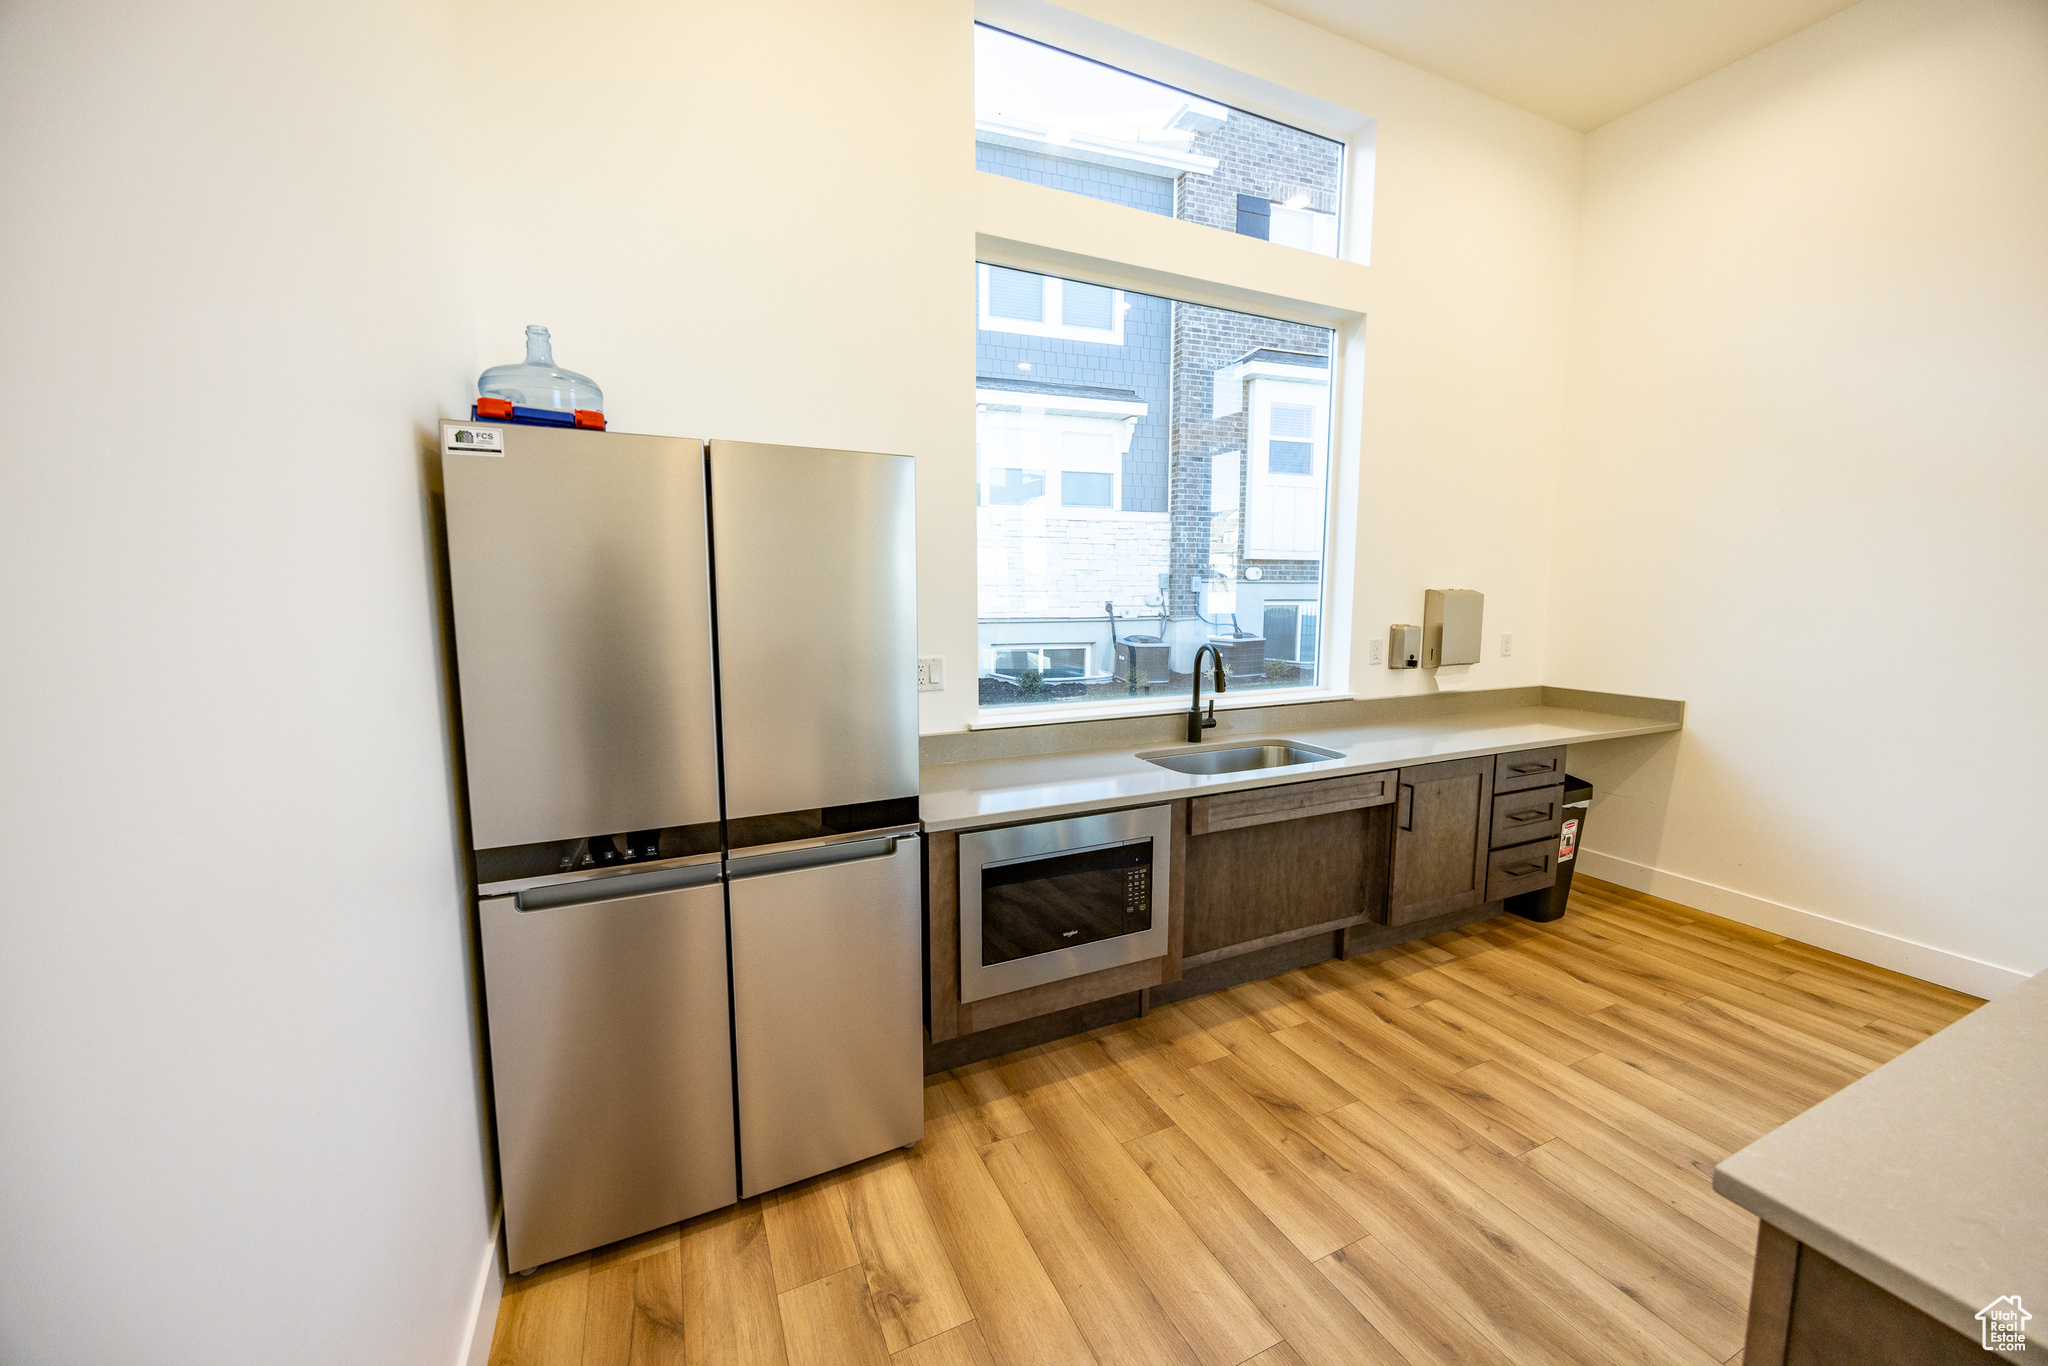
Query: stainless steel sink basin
[(1241, 758)]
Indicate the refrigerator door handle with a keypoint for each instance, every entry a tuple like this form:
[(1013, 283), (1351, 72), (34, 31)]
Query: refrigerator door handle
[(811, 855), (585, 891)]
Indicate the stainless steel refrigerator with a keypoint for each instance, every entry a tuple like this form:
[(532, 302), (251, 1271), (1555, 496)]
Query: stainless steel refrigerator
[(687, 673)]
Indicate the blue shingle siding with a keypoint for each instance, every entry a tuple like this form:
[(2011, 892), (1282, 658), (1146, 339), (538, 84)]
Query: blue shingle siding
[(1134, 189), (1138, 365)]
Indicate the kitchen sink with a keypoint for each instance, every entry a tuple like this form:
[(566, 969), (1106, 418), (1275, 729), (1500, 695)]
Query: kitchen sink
[(1241, 758)]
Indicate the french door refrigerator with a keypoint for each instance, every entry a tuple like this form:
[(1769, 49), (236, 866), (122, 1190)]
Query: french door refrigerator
[(687, 681)]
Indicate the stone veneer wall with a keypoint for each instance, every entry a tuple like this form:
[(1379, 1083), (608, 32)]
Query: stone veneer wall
[(1097, 558)]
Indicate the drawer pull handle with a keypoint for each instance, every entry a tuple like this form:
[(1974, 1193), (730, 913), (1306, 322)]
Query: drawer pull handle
[(1541, 766), (1524, 869), (1407, 800), (1534, 813)]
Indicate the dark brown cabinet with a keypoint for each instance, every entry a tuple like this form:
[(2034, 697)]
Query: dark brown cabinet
[(1528, 768), (1523, 868), (1271, 864), (1442, 819), (1519, 817)]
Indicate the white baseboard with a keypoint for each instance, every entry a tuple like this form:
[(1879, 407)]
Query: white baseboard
[(483, 1308), (1924, 961)]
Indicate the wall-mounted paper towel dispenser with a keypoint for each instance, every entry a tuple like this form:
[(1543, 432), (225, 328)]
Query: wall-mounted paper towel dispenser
[(1450, 626)]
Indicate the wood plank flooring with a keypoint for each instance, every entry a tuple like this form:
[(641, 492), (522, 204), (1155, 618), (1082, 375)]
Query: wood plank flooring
[(1489, 1146)]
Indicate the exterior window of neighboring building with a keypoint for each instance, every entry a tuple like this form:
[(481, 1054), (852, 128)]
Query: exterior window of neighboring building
[(1013, 487), (1015, 295), (1290, 438), (1047, 661), (1145, 496), (1046, 306), (1052, 118)]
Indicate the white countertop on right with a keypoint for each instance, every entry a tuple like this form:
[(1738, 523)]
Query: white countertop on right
[(1929, 1177)]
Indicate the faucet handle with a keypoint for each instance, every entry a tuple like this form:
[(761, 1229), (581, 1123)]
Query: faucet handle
[(1209, 718)]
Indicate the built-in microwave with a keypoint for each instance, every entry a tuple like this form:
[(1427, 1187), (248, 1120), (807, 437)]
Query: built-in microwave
[(1057, 899)]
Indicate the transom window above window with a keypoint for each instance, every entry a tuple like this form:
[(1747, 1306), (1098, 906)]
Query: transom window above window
[(1053, 118)]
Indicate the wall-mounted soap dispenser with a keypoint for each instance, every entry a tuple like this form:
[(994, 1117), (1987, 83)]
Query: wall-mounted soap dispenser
[(1404, 647), (1450, 626)]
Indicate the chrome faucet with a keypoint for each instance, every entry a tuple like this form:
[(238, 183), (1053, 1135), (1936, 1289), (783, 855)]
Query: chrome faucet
[(1197, 723)]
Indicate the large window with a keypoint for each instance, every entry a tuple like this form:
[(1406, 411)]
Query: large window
[(1145, 489), (1056, 119)]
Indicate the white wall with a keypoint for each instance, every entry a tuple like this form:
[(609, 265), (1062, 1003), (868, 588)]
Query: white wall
[(764, 232), (1809, 469), (238, 1106)]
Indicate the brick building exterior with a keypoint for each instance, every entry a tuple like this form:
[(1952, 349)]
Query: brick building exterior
[(1259, 157)]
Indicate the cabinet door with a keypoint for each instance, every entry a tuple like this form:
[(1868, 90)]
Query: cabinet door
[(1263, 882), (1442, 817)]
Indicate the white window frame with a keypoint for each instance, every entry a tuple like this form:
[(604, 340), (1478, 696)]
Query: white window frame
[(1053, 323), (1029, 228)]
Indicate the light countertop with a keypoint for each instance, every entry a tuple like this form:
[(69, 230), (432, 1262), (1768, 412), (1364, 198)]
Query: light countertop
[(998, 790), (1929, 1177)]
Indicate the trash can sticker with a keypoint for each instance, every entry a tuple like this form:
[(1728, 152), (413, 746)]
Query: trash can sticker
[(1568, 841)]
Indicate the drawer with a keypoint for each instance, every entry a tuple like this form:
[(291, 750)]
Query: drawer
[(1528, 768), (1519, 817), (1289, 801), (1524, 868)]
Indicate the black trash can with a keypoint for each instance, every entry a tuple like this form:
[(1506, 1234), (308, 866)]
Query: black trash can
[(1548, 904)]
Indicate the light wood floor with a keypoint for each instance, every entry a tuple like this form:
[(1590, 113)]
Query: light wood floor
[(1490, 1146)]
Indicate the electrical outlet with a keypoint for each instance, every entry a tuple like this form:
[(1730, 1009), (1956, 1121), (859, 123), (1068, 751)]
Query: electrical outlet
[(1507, 643), (931, 674), (1375, 647)]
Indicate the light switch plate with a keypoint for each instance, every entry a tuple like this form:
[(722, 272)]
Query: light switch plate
[(931, 674)]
